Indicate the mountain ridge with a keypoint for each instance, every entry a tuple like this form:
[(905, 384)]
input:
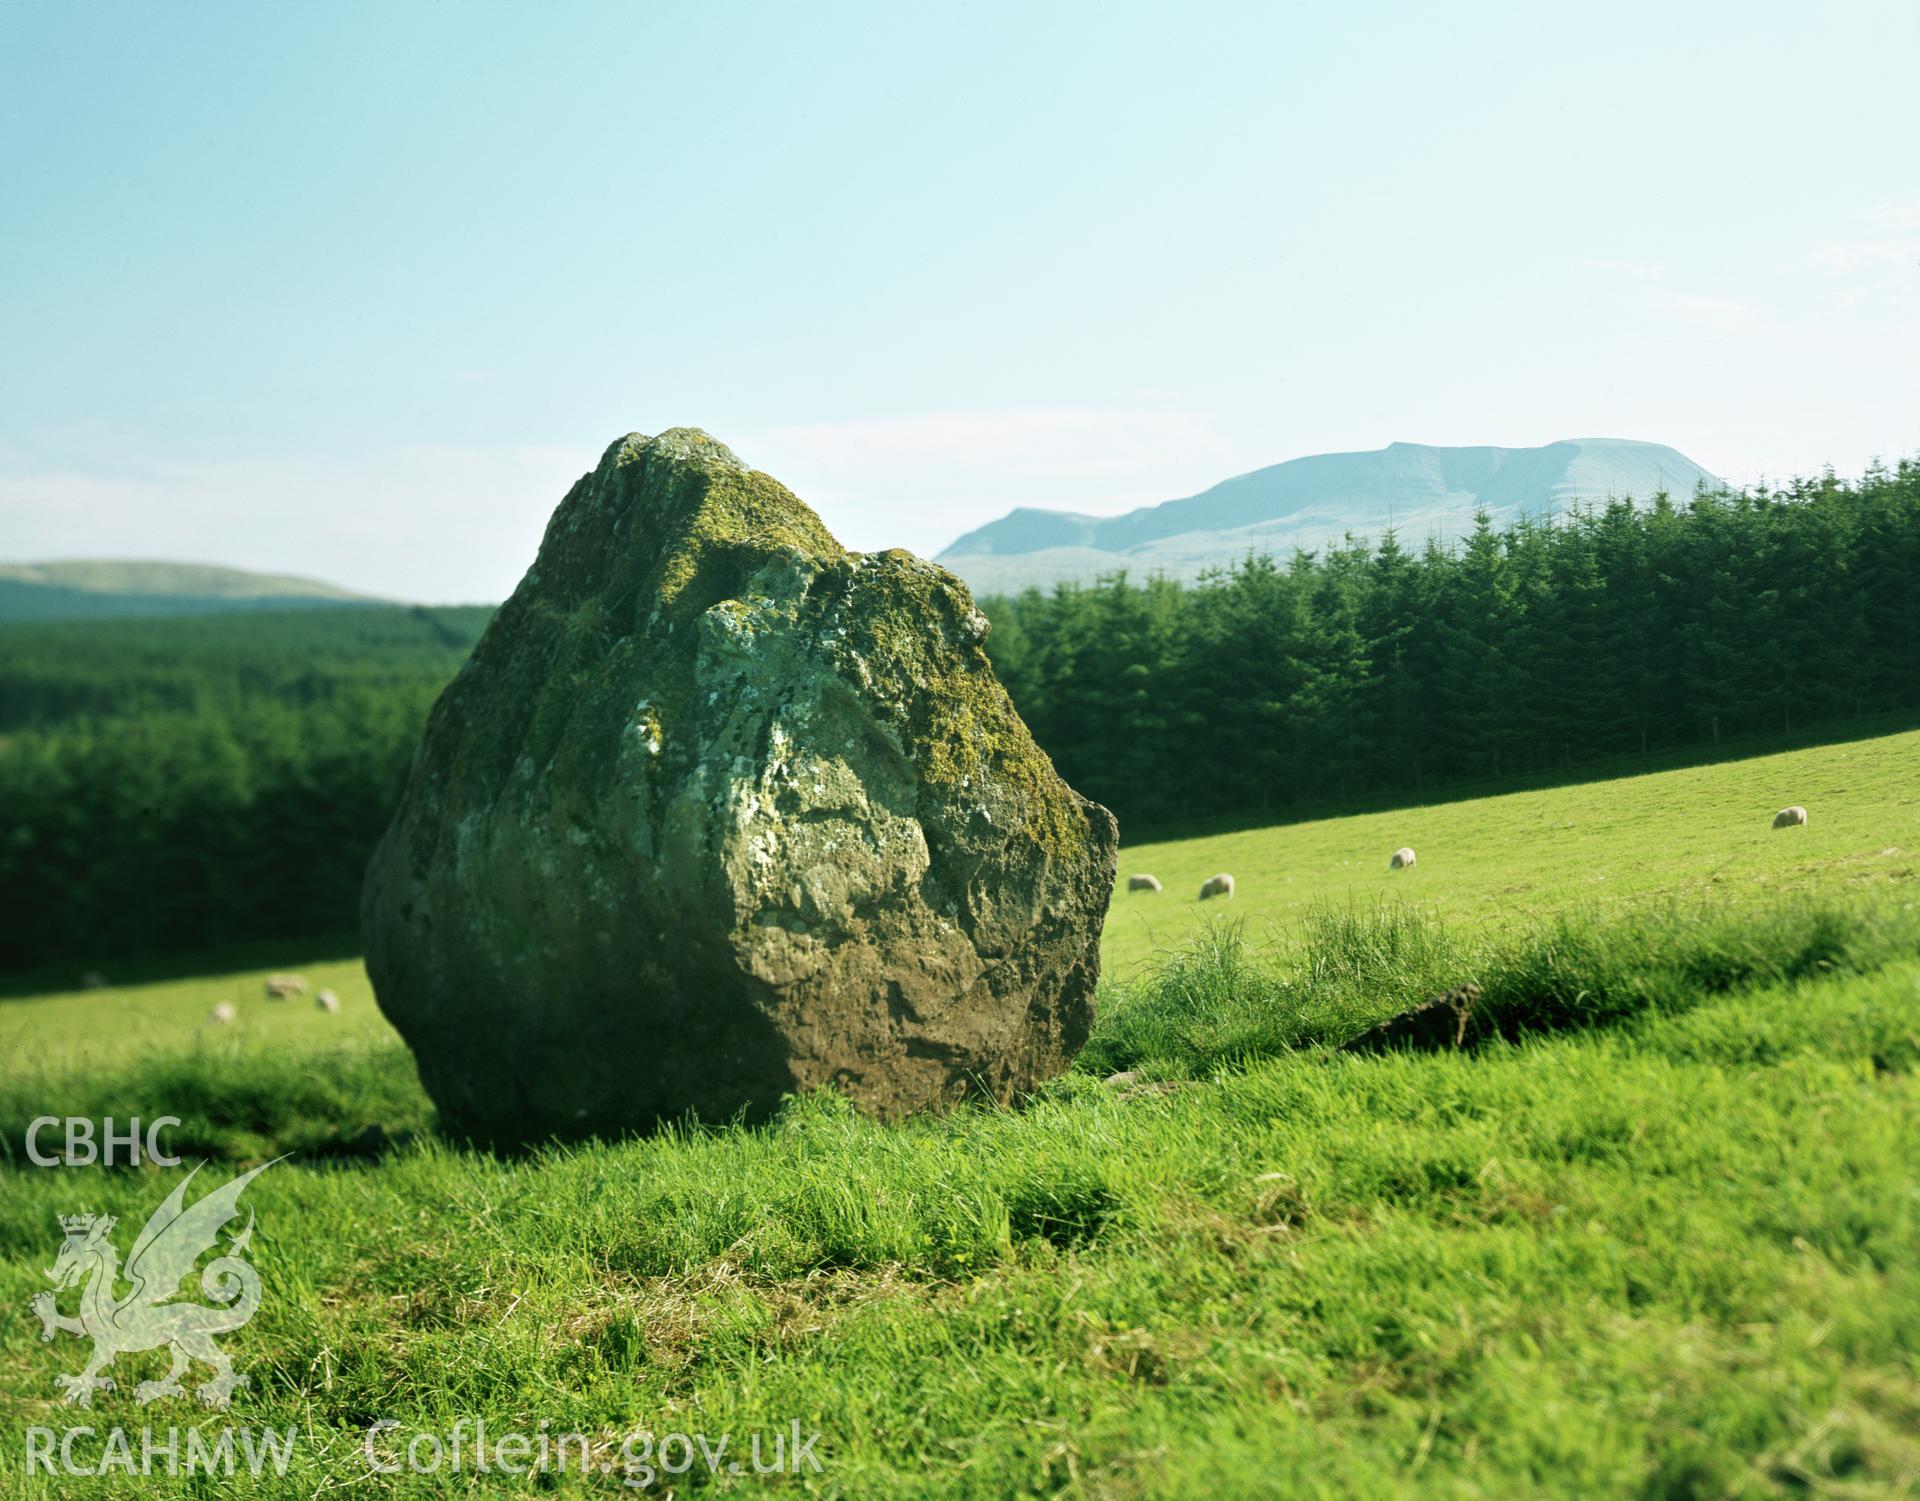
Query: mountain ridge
[(1417, 489), (128, 588)]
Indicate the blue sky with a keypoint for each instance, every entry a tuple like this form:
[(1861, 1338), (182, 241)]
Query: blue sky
[(357, 290)]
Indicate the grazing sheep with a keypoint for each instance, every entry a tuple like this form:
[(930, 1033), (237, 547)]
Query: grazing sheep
[(1402, 860), (326, 1000), (279, 987), (222, 1014), (1786, 818), (1143, 883), (1220, 885)]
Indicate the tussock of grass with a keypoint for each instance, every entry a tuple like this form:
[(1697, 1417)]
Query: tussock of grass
[(1223, 1002), (1582, 971)]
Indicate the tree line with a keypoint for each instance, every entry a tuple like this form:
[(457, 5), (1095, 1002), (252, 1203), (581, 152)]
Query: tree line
[(169, 785), (1371, 668)]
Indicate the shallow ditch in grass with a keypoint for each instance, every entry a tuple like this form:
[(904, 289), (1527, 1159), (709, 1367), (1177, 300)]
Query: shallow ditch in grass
[(1223, 1001)]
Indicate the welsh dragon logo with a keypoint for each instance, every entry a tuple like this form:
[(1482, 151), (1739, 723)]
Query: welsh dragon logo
[(147, 1317)]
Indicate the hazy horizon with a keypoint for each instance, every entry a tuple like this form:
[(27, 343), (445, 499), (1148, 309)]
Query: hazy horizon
[(355, 292)]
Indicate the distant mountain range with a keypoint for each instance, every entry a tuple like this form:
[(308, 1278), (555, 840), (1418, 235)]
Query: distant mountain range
[(1420, 490), (94, 589)]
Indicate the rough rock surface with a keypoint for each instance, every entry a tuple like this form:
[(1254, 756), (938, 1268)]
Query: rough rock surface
[(718, 809)]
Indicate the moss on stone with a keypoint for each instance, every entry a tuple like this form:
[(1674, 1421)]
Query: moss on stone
[(743, 518), (960, 724)]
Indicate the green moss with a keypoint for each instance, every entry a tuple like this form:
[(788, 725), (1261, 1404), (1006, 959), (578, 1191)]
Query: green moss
[(743, 519), (960, 722)]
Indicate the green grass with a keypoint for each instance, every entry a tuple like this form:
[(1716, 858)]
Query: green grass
[(1222, 1003), (1655, 1236), (1508, 860)]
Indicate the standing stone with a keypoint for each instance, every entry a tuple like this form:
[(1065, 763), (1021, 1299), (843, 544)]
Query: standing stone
[(717, 810)]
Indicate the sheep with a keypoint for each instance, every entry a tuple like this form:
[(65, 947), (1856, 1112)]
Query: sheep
[(1402, 860), (222, 1014), (1786, 818), (1220, 885), (327, 1001), (279, 987), (1143, 883)]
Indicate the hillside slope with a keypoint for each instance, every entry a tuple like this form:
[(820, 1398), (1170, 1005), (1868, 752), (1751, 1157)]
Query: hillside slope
[(1419, 489), (1510, 859), (113, 588)]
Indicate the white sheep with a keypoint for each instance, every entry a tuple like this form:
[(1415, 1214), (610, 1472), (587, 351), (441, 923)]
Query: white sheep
[(1786, 818), (1143, 883), (1220, 885), (327, 1001), (223, 1014), (1402, 860)]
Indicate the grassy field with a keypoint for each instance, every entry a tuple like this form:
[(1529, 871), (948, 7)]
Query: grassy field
[(1654, 1236), (1502, 860)]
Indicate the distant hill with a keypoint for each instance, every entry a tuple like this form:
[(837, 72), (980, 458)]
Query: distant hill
[(1420, 490), (104, 588)]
